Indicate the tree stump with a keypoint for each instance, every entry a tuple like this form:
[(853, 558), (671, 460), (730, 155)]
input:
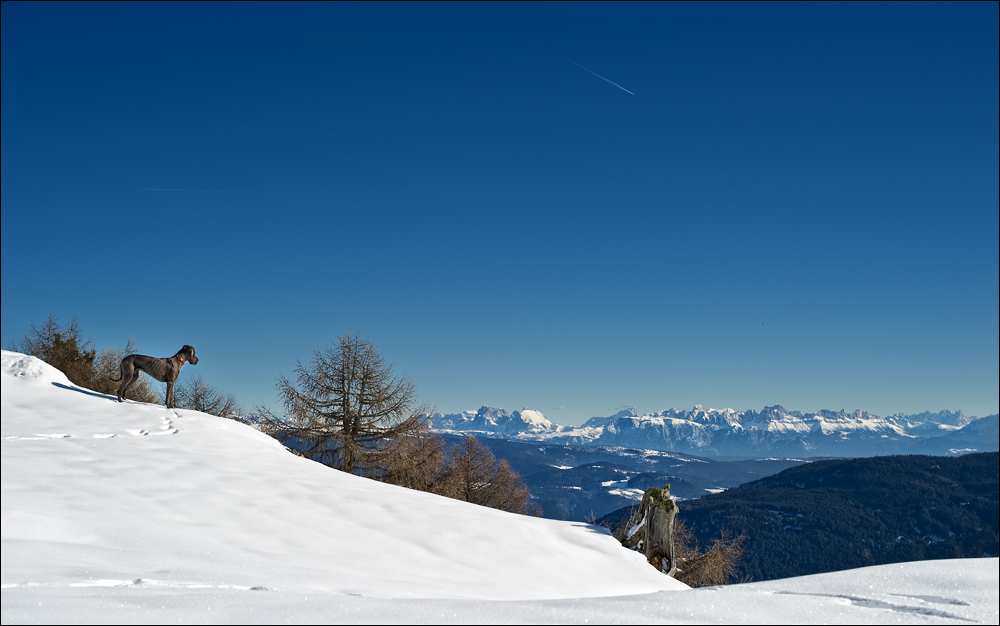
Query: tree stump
[(651, 530)]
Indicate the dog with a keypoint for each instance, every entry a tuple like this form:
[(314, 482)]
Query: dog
[(164, 370)]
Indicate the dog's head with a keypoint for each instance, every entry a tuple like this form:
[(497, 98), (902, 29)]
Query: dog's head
[(188, 352)]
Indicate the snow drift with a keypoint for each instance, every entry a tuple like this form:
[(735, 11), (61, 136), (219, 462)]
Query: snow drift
[(125, 513), (110, 491)]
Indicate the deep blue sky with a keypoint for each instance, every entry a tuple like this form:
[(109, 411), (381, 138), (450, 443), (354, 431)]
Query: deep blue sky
[(798, 205)]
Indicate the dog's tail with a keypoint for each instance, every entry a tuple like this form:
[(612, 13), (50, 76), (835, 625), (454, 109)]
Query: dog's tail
[(119, 375)]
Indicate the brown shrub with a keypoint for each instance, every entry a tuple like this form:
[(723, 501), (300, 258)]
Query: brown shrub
[(697, 567), (473, 474), (715, 566)]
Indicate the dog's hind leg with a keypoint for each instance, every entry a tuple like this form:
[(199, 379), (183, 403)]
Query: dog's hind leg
[(133, 379), (127, 379)]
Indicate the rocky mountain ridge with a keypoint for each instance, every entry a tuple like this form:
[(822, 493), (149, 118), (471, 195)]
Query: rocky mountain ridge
[(773, 431)]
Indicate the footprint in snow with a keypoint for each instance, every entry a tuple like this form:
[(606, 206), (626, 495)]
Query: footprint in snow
[(166, 429), (146, 582)]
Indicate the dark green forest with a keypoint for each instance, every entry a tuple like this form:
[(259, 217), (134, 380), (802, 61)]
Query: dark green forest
[(835, 515)]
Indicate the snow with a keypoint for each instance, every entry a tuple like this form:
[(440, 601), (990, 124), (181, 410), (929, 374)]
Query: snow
[(536, 419), (632, 494), (124, 513)]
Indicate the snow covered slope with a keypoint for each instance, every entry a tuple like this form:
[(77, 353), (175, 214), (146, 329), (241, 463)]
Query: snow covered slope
[(97, 490), (135, 513)]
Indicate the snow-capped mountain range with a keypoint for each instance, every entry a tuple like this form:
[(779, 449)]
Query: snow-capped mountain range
[(773, 431)]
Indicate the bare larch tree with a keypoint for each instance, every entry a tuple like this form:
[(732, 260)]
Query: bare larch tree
[(197, 395), (346, 407), (473, 474)]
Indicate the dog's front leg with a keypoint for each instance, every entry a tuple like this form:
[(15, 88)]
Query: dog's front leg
[(170, 395)]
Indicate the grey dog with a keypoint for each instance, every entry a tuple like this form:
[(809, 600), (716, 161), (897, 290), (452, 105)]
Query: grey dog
[(164, 370)]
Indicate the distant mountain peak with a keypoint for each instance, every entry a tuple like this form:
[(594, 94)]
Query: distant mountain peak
[(774, 431)]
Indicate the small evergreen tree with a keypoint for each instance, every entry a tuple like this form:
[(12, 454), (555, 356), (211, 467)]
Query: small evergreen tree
[(62, 347)]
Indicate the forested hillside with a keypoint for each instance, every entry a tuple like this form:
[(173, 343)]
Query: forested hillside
[(834, 515), (582, 482)]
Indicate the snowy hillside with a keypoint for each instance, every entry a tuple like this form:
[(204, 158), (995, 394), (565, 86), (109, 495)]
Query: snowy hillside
[(135, 513), (774, 431)]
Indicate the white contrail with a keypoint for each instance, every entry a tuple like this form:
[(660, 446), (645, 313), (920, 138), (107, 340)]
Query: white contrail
[(589, 70), (189, 190)]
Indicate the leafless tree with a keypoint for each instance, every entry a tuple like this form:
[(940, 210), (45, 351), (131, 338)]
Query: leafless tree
[(346, 407), (417, 460), (195, 394), (473, 474), (348, 410)]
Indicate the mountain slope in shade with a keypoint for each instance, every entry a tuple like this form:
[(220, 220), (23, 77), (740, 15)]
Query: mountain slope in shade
[(838, 514)]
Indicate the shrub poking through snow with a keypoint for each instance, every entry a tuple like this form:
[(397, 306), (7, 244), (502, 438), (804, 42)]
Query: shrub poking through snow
[(672, 548)]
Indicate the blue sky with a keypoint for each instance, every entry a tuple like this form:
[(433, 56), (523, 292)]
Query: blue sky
[(797, 205)]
